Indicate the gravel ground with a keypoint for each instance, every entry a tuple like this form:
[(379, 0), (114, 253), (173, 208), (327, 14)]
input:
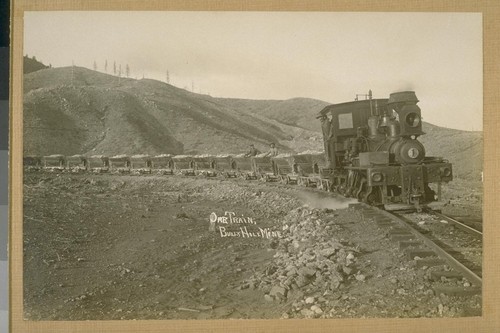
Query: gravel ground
[(142, 247)]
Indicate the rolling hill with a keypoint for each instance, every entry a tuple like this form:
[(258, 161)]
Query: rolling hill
[(464, 149), (298, 112), (74, 110)]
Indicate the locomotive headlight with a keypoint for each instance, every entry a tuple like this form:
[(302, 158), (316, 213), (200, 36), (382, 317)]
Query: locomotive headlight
[(413, 152), (412, 119), (377, 177), (446, 172)]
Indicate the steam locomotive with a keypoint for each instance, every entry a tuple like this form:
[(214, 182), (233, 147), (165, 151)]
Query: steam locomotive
[(374, 155)]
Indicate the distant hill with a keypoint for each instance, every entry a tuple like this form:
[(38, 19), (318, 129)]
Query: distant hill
[(298, 112), (464, 149), (79, 111), (32, 65)]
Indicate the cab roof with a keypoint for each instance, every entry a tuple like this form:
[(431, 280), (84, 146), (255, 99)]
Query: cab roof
[(362, 105)]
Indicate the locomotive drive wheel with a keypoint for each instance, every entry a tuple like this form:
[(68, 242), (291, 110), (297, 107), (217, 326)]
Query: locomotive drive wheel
[(361, 196)]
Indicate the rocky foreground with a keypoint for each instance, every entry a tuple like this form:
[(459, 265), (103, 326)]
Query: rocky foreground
[(150, 247)]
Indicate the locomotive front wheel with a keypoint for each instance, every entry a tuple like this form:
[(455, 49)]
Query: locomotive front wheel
[(373, 197)]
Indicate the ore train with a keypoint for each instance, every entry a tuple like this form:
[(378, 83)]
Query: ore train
[(371, 152)]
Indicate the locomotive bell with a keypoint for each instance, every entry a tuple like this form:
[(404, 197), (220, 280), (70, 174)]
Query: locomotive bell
[(405, 104)]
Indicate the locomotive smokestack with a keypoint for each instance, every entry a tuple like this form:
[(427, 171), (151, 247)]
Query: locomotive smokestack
[(398, 99)]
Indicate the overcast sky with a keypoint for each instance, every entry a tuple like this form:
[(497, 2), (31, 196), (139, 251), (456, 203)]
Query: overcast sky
[(282, 55)]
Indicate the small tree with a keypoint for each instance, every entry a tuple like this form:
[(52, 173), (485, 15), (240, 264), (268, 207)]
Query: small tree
[(106, 66), (95, 65), (120, 70), (114, 67), (127, 70), (168, 77)]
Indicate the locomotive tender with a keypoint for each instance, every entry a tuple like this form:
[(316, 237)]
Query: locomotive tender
[(374, 155)]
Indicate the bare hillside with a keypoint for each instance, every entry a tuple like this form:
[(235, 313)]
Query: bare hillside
[(462, 148), (76, 110), (298, 112)]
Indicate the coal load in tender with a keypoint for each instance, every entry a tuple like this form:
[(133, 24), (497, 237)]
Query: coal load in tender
[(310, 265)]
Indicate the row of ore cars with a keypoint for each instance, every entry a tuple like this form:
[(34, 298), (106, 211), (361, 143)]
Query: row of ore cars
[(308, 168)]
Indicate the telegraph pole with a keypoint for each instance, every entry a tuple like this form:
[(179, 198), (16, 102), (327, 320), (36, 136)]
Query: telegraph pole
[(72, 71)]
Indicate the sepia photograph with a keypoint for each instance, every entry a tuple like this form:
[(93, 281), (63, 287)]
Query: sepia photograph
[(251, 165)]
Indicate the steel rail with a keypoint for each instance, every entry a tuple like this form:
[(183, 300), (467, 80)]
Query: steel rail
[(459, 224), (452, 261)]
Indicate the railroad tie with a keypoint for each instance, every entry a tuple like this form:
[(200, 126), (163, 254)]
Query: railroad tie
[(456, 290), (430, 262), (420, 253), (437, 275)]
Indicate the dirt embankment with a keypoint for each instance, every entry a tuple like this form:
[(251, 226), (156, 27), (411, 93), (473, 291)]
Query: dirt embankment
[(139, 247)]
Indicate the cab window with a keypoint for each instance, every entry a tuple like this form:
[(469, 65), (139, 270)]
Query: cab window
[(345, 121)]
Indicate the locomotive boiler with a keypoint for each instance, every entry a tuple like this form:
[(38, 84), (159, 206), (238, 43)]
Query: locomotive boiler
[(374, 155)]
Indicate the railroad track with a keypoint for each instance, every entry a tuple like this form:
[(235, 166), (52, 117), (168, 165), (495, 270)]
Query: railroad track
[(428, 251), (473, 229)]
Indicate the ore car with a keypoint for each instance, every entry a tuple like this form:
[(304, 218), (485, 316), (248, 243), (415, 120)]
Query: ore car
[(76, 163), (162, 164), (184, 165), (140, 164), (119, 164), (205, 165), (373, 149), (225, 165)]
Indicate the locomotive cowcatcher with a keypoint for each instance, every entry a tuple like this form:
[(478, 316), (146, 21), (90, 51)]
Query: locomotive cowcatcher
[(374, 155)]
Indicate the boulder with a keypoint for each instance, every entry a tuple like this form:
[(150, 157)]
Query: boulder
[(307, 272), (278, 292)]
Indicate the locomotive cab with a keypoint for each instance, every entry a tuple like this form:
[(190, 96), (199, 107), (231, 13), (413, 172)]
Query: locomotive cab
[(346, 135)]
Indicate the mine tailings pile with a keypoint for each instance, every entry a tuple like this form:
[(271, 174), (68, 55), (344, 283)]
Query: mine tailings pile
[(309, 260)]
